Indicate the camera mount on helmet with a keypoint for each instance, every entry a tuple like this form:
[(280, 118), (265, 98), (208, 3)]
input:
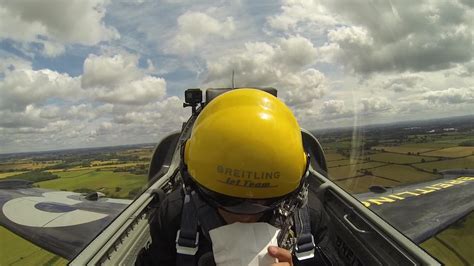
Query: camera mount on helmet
[(193, 98)]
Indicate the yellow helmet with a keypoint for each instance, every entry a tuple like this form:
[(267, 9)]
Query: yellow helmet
[(246, 143)]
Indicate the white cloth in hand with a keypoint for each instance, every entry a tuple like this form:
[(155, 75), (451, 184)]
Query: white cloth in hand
[(240, 244)]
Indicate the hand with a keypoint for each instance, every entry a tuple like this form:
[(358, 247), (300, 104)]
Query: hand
[(284, 256)]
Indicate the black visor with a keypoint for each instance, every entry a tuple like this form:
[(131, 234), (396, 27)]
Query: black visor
[(239, 205)]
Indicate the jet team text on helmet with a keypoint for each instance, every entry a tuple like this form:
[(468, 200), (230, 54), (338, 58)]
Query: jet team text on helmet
[(246, 143)]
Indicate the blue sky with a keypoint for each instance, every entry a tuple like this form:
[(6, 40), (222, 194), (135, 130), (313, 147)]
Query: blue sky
[(84, 73)]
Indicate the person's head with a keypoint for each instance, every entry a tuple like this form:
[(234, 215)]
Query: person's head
[(245, 153)]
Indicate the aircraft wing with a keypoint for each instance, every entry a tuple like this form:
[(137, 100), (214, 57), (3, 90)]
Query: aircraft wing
[(61, 222), (422, 210)]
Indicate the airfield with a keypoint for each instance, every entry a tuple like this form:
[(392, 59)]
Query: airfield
[(387, 156)]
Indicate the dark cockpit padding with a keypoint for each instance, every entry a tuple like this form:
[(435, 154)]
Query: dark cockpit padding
[(313, 147), (162, 157)]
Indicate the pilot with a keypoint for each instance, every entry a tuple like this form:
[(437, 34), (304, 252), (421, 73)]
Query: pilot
[(244, 162)]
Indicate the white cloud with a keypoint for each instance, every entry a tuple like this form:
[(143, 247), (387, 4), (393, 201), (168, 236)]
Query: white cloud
[(55, 23), (295, 52), (170, 109), (283, 64), (393, 36), (383, 36), (402, 83), (196, 29), (118, 79), (22, 87), (137, 92), (375, 105), (110, 71), (333, 107), (87, 112), (28, 118), (301, 16), (11, 63), (450, 96), (303, 87)]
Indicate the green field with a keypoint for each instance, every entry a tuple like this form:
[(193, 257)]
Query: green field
[(453, 246), (104, 181), (3, 175), (398, 158), (467, 162), (70, 173), (453, 152), (144, 153), (402, 149), (24, 166), (342, 163), (362, 183), (431, 145), (14, 250), (342, 144), (350, 170), (403, 174), (331, 156)]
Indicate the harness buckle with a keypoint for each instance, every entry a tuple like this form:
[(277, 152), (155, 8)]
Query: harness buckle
[(305, 247), (187, 245)]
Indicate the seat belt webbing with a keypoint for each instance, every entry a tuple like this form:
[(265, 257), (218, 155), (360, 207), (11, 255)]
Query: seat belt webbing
[(187, 238)]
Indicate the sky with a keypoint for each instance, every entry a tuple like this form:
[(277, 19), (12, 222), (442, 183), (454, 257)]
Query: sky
[(86, 73)]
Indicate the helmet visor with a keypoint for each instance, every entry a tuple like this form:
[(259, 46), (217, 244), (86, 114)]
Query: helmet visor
[(239, 205)]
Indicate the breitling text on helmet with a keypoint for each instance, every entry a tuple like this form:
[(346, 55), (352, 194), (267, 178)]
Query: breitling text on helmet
[(232, 172)]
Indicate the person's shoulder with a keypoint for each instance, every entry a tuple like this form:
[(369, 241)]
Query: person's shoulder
[(314, 204), (166, 219), (175, 196), (173, 201)]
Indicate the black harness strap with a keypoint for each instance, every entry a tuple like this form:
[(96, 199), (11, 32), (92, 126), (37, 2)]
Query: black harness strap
[(306, 249), (206, 215), (196, 213), (187, 238), (305, 245)]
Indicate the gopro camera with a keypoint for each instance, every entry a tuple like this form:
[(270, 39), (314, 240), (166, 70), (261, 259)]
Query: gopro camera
[(192, 97)]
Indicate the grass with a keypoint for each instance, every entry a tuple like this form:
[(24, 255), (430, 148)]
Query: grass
[(98, 163), (458, 237), (342, 163), (4, 175), (345, 144), (331, 156), (403, 174), (141, 153), (112, 166), (70, 173), (452, 152), (432, 145), (350, 170), (361, 184), (398, 158), (467, 162), (103, 181), (402, 149), (18, 251), (24, 165)]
